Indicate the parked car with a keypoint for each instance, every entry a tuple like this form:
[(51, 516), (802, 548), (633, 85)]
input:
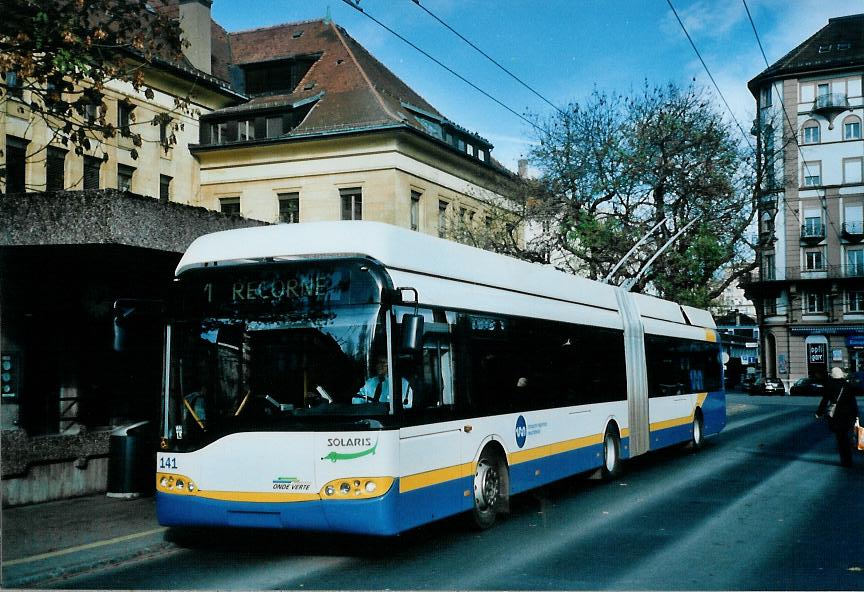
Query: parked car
[(767, 386), (807, 387)]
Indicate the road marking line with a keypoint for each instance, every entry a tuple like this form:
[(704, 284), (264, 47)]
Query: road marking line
[(52, 554)]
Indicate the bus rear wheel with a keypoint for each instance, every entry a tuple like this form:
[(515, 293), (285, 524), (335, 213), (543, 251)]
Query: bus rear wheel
[(490, 489), (611, 454), (698, 433)]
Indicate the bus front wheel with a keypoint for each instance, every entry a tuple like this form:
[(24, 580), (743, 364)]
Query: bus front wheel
[(490, 489)]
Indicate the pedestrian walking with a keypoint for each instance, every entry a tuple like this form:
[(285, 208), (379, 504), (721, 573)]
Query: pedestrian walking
[(840, 409)]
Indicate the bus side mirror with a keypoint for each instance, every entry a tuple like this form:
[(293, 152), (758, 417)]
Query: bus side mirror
[(412, 333)]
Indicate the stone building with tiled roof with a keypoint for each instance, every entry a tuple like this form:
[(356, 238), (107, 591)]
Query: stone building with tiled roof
[(809, 289), (328, 132)]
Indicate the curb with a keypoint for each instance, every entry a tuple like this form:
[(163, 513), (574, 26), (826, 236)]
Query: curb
[(47, 570)]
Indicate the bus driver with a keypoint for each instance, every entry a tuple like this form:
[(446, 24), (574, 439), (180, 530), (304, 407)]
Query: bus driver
[(377, 387)]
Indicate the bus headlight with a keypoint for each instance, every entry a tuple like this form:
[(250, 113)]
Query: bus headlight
[(177, 484), (357, 487)]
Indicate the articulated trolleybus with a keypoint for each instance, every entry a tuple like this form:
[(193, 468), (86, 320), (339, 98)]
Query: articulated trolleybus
[(358, 377)]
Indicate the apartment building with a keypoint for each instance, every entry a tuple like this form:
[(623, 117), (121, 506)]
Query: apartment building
[(809, 287)]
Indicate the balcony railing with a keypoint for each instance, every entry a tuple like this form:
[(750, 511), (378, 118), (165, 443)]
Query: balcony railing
[(853, 231), (831, 102), (804, 274), (812, 233)]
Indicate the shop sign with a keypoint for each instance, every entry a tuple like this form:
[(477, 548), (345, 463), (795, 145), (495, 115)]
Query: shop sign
[(855, 340)]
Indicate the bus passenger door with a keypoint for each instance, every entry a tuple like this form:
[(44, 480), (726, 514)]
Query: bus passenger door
[(430, 441)]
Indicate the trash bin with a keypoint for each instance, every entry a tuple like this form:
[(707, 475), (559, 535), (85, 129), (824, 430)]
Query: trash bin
[(131, 453)]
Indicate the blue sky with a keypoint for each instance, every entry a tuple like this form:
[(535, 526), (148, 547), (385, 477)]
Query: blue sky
[(562, 48)]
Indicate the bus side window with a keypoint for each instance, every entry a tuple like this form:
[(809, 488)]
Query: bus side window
[(434, 377)]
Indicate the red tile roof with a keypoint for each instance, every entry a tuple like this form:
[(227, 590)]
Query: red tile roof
[(359, 91)]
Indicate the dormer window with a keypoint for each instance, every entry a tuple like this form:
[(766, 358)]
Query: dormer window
[(276, 77), (227, 128)]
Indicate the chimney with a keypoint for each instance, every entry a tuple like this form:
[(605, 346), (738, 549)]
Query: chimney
[(523, 167), (195, 23)]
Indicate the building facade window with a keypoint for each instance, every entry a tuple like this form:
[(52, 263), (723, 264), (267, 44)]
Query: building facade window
[(16, 165), (165, 188), (55, 169), (124, 114), (124, 177), (765, 96), (230, 205), (273, 127), (92, 170), (415, 210), (442, 218), (852, 170), (352, 203), (246, 130), (855, 262), (813, 224), (852, 128), (814, 303), (13, 84), (768, 266), (811, 173), (289, 208), (855, 301), (769, 306), (853, 219), (814, 260), (810, 133)]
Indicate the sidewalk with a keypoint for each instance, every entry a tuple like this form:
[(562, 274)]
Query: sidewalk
[(48, 540)]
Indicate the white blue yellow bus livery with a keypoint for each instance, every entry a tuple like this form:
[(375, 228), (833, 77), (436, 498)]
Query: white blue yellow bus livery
[(358, 377)]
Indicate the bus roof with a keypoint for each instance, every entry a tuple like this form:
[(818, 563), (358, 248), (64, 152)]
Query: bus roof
[(409, 251)]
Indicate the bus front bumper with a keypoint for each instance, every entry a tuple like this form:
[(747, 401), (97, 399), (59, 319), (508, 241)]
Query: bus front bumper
[(370, 516)]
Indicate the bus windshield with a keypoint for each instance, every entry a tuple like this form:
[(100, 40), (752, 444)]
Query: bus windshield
[(256, 364)]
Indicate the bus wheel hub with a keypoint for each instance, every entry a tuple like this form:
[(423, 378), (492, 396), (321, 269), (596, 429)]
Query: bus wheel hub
[(486, 485)]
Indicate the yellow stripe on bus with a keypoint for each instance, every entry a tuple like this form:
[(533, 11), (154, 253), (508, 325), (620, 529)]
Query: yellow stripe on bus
[(254, 496), (435, 476), (521, 456)]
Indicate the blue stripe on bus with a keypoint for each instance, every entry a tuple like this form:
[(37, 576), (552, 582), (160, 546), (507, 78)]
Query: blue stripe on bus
[(374, 516)]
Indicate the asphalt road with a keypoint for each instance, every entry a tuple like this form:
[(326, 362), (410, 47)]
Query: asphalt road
[(765, 505)]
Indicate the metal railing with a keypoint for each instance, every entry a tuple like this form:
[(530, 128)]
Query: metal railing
[(798, 274), (831, 101), (812, 231)]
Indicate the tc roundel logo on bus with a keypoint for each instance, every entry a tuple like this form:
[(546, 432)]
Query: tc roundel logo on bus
[(521, 431)]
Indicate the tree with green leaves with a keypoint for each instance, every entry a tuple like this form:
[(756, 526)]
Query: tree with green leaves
[(57, 56), (615, 166)]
